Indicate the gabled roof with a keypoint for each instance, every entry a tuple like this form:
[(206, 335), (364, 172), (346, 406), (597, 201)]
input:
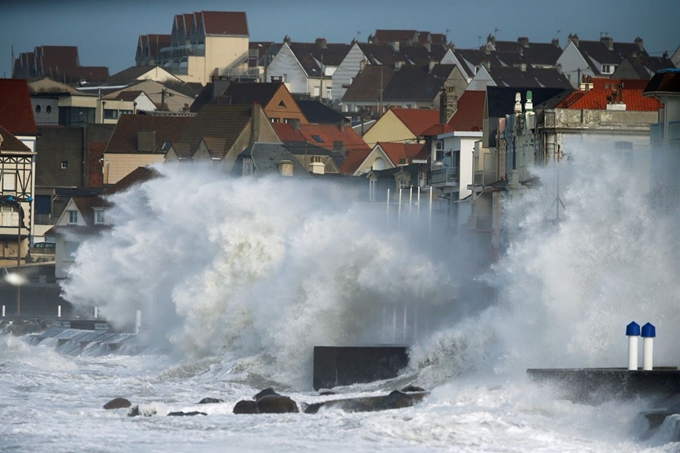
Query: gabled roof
[(472, 58), (665, 81), (501, 100), (385, 54), (10, 142), (16, 112), (124, 139), (329, 135), (137, 176), (310, 55), (606, 51), (470, 113), (287, 133), (318, 113), (405, 36), (249, 93), (58, 59), (368, 83), (408, 151), (437, 129), (417, 120), (529, 77), (230, 23), (48, 86), (131, 75), (417, 83), (353, 160), (219, 121), (266, 158), (532, 53), (129, 96), (156, 43), (598, 97)]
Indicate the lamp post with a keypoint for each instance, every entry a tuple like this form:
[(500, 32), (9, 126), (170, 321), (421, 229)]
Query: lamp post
[(15, 202)]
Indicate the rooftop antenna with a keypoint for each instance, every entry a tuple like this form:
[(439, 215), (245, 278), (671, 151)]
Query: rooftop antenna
[(604, 33), (558, 34), (479, 41), (495, 31)]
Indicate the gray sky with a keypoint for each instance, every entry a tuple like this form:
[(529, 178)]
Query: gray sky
[(106, 31)]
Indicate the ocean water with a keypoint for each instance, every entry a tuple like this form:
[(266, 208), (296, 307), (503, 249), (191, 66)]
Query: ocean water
[(237, 280)]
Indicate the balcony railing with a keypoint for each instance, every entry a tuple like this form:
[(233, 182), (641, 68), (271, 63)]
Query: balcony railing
[(445, 176), (484, 177)]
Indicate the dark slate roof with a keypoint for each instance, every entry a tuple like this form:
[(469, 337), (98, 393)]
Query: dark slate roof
[(529, 78), (16, 112), (471, 58), (385, 36), (168, 129), (218, 121), (385, 54), (367, 83), (598, 51), (532, 53), (128, 75), (157, 42), (10, 142), (664, 81), (501, 100), (249, 93), (417, 83), (318, 113), (310, 55), (266, 158), (225, 23)]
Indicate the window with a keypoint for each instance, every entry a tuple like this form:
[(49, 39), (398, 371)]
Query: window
[(110, 114), (9, 182), (72, 217), (8, 216), (372, 187), (317, 138), (275, 120), (402, 161), (247, 166), (329, 93), (402, 183), (99, 216), (282, 104), (126, 112), (608, 68), (48, 109), (37, 109), (64, 164)]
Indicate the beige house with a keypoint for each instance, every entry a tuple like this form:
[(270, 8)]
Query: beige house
[(138, 141), (202, 44), (401, 125)]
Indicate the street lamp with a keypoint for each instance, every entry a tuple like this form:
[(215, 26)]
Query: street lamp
[(15, 202)]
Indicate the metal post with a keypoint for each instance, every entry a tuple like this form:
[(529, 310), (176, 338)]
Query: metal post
[(388, 208), (18, 262)]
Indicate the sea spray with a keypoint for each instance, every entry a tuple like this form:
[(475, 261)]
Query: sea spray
[(249, 268)]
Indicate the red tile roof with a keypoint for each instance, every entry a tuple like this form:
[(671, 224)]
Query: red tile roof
[(417, 120), (437, 129), (325, 135), (287, 133), (470, 113), (598, 97), (352, 161), (225, 23), (397, 151), (16, 112)]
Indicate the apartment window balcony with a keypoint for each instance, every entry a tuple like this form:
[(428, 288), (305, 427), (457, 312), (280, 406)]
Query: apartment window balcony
[(448, 176), (484, 177)]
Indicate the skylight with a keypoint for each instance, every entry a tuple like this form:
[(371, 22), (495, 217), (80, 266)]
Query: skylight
[(317, 138)]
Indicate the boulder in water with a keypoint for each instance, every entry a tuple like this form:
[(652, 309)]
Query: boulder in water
[(276, 404), (266, 392), (185, 414), (412, 389), (210, 401), (117, 403), (395, 400), (245, 407), (146, 411)]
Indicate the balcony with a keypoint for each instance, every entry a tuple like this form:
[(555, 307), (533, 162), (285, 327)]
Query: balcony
[(484, 177), (448, 176)]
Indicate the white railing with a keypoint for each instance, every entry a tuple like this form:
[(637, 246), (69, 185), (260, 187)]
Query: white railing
[(447, 175)]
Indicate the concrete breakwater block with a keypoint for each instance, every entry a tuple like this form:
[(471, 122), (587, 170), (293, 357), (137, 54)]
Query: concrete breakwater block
[(599, 384), (346, 365)]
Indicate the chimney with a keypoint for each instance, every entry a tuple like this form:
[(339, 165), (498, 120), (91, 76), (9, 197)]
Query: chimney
[(555, 42), (640, 43), (524, 41), (574, 38), (523, 67), (398, 64), (518, 103), (607, 41), (491, 39), (286, 39), (448, 104), (431, 64), (321, 42), (395, 45), (529, 105)]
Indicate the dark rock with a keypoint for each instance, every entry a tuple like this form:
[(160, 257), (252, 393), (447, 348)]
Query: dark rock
[(395, 400), (22, 327), (266, 392), (276, 404), (134, 411), (327, 393), (245, 407), (411, 389), (185, 414), (210, 401), (117, 403)]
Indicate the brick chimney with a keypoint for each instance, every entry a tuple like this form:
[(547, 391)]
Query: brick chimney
[(640, 43), (524, 41), (607, 41), (574, 38), (321, 42), (448, 104)]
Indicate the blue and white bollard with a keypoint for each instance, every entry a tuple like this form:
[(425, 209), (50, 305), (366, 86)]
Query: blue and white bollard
[(633, 332), (648, 334)]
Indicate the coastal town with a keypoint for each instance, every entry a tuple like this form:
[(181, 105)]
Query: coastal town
[(405, 115)]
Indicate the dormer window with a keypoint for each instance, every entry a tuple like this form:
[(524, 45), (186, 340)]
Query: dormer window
[(72, 217), (99, 216), (608, 69)]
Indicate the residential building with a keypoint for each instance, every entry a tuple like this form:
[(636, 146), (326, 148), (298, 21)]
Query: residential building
[(401, 125), (665, 135), (202, 44), (596, 58), (386, 155), (57, 62), (522, 76), (219, 133), (268, 159), (315, 158), (17, 168), (641, 67), (307, 68), (139, 141)]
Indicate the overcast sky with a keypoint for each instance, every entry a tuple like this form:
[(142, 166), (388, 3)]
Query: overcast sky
[(106, 31)]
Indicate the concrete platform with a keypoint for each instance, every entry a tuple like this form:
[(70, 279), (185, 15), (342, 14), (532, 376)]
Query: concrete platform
[(599, 384), (346, 365)]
